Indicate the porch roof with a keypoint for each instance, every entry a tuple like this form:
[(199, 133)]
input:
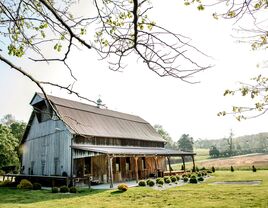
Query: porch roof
[(128, 150)]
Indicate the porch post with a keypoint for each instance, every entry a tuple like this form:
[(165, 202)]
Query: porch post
[(183, 163), (193, 162), (156, 166), (110, 167), (170, 168), (136, 169)]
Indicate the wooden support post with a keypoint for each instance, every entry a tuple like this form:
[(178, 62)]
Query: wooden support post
[(169, 166), (110, 165), (193, 163), (183, 163), (136, 169), (156, 166)]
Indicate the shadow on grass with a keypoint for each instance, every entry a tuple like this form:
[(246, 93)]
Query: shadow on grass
[(117, 192), (15, 196)]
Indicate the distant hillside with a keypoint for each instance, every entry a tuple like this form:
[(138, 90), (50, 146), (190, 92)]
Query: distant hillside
[(255, 143)]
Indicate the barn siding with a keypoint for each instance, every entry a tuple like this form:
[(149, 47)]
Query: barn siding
[(47, 141)]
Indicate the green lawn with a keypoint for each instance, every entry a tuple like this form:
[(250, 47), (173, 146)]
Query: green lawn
[(195, 195)]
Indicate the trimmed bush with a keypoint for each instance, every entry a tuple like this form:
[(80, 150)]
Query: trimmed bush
[(151, 183), (122, 187), (161, 182), (158, 179), (25, 184), (185, 179), (209, 171), (254, 169), (232, 169), (197, 169), (73, 190), (178, 177), (199, 174), (37, 186), (200, 179), (193, 179), (64, 189), (213, 169), (173, 179), (142, 183), (147, 181), (167, 179), (55, 190)]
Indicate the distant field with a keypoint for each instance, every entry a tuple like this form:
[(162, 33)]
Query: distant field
[(201, 154), (241, 162)]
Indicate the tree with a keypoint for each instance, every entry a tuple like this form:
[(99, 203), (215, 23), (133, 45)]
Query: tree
[(47, 31), (214, 152), (249, 17), (185, 143), (165, 135), (8, 145)]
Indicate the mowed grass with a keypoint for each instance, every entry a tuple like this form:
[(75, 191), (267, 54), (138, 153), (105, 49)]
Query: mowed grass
[(206, 194)]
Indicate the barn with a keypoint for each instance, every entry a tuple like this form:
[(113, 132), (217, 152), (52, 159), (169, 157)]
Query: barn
[(74, 139)]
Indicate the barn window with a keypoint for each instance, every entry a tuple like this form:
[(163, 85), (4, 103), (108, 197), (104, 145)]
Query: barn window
[(117, 164), (128, 164), (143, 163), (43, 165)]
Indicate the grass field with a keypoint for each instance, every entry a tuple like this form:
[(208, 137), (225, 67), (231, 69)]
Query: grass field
[(190, 195)]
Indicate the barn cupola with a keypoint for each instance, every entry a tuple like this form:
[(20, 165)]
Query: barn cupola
[(99, 103)]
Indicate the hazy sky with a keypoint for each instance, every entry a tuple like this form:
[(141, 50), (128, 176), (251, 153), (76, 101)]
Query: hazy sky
[(178, 106)]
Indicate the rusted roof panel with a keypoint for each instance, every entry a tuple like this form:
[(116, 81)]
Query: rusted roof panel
[(123, 150), (89, 120)]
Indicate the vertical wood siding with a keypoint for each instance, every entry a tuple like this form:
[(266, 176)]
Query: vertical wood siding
[(47, 142)]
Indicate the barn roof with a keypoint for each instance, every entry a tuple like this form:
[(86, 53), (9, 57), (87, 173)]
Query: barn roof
[(126, 150), (88, 120)]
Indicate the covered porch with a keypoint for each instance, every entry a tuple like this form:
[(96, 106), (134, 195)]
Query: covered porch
[(110, 164)]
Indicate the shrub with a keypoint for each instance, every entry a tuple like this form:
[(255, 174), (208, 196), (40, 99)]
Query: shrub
[(200, 179), (197, 169), (122, 187), (25, 184), (2, 172), (209, 171), (55, 190), (161, 182), (199, 174), (232, 168), (73, 190), (213, 169), (37, 186), (168, 180), (147, 181), (142, 183), (193, 179), (151, 183), (173, 179), (177, 177), (64, 189), (204, 173), (185, 179), (203, 168), (254, 169), (158, 179)]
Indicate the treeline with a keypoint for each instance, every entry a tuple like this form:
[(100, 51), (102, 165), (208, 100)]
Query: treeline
[(225, 147), (11, 132)]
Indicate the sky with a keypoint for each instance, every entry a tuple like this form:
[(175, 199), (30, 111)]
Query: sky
[(181, 108)]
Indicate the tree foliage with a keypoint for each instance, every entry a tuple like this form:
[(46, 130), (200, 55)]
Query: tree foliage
[(11, 132), (214, 152), (185, 143), (47, 31), (165, 135), (250, 20)]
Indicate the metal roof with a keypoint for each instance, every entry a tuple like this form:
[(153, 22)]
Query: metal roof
[(90, 120), (123, 150)]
